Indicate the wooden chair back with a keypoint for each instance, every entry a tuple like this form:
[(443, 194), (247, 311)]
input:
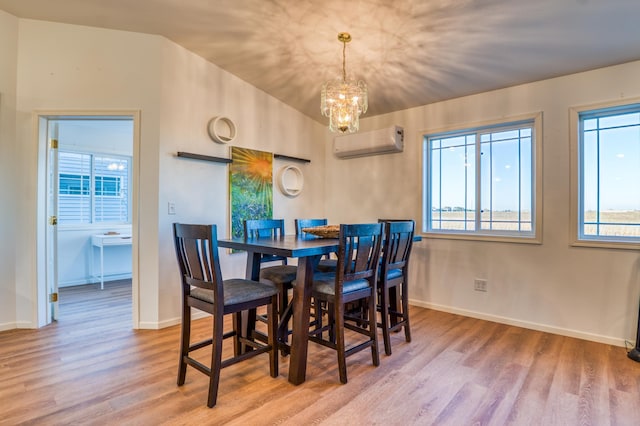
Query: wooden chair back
[(398, 241), (358, 253), (197, 253), (265, 228), (308, 223)]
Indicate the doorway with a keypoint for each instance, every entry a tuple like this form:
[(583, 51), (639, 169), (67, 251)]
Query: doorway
[(89, 191)]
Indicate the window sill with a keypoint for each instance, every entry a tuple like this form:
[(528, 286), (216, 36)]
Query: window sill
[(606, 244), (483, 237)]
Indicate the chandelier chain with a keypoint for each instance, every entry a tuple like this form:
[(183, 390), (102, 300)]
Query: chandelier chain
[(344, 61)]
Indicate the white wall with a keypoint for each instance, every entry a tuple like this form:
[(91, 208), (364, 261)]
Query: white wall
[(67, 67), (590, 293), (193, 92), (8, 194)]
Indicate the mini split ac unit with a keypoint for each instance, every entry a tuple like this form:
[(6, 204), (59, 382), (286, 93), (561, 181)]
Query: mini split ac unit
[(383, 141)]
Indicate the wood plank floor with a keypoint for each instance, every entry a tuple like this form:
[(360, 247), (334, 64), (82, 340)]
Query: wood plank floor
[(91, 368)]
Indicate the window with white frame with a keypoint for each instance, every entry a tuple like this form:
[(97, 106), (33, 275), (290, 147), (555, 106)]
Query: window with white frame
[(93, 188), (608, 174), (482, 182)]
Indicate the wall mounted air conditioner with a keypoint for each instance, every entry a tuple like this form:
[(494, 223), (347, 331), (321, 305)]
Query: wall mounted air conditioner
[(383, 141)]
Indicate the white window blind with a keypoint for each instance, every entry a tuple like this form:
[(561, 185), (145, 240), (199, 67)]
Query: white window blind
[(93, 188)]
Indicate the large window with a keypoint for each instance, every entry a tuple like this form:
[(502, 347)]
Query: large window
[(93, 188), (482, 182), (607, 175)]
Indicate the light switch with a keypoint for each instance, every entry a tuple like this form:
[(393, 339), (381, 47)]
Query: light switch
[(171, 208)]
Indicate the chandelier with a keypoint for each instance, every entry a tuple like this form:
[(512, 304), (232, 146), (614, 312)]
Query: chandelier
[(343, 101)]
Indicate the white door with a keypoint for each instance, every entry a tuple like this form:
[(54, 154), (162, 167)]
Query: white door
[(52, 220)]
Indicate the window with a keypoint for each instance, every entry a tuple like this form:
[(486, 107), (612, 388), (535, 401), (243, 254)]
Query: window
[(482, 182), (606, 175), (93, 188)]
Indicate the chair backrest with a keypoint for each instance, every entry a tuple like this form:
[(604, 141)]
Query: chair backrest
[(265, 228), (358, 253), (398, 241), (308, 223), (197, 252)]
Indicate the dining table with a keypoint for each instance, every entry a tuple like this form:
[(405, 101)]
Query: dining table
[(308, 250)]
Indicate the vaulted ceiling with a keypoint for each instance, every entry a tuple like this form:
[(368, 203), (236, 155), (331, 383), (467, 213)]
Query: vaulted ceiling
[(410, 52)]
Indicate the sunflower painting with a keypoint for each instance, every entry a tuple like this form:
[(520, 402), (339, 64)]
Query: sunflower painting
[(250, 187)]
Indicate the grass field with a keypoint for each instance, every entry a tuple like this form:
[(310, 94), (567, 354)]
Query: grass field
[(612, 223)]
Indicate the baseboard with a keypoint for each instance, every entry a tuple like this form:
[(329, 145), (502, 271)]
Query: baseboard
[(8, 326), (147, 325), (524, 324), (93, 280), (14, 325)]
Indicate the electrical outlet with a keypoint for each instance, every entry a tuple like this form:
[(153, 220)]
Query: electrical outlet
[(480, 284)]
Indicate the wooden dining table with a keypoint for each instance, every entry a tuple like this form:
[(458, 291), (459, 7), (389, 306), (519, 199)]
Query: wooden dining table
[(308, 250)]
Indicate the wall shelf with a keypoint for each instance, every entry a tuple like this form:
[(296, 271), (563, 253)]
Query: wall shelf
[(286, 157), (228, 160), (204, 157)]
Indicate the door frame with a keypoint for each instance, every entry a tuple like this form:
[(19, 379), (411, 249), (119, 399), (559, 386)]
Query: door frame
[(41, 117)]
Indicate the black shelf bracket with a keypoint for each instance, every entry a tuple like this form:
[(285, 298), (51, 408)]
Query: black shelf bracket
[(204, 157)]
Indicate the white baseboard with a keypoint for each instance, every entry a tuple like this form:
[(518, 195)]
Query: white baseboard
[(93, 280), (13, 325), (8, 326), (147, 325), (524, 324)]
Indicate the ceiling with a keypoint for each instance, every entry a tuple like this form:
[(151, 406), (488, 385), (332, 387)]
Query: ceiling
[(409, 52)]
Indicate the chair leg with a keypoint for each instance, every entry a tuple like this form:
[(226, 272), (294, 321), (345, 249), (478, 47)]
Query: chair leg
[(250, 329), (272, 329), (338, 320), (237, 328), (405, 312), (331, 321), (184, 343), (373, 329), (216, 360), (316, 323), (283, 301), (384, 318)]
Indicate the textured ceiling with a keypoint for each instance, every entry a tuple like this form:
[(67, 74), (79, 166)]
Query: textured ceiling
[(410, 52)]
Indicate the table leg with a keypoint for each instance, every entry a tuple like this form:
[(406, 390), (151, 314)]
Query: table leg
[(301, 307)]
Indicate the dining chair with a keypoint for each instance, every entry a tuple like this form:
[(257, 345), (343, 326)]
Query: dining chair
[(355, 279), (281, 275), (326, 264), (393, 279), (203, 288)]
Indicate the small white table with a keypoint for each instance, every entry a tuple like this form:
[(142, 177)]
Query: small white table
[(108, 240)]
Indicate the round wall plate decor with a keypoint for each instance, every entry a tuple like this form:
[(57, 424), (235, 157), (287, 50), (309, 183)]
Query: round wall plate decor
[(222, 129), (290, 181)]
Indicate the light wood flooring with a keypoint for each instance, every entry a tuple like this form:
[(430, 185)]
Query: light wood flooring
[(91, 368)]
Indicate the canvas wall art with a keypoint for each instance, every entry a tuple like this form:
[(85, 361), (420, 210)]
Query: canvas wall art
[(250, 187)]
